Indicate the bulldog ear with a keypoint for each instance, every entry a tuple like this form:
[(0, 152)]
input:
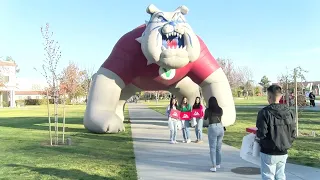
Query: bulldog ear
[(183, 9), (151, 9)]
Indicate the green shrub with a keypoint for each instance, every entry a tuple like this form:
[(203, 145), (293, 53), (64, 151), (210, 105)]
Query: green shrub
[(20, 102), (5, 104)]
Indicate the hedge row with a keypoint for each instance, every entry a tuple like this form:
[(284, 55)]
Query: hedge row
[(37, 102)]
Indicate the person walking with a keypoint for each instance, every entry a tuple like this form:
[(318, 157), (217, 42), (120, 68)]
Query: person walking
[(215, 132), (198, 127), (172, 122), (185, 107), (312, 98), (276, 133)]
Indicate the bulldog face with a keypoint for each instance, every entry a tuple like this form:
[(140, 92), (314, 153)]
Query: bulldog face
[(168, 39)]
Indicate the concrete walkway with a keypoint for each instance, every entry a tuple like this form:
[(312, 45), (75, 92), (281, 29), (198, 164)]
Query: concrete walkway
[(156, 159)]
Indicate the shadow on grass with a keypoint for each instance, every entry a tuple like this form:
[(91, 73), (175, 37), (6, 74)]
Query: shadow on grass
[(36, 123), (61, 173)]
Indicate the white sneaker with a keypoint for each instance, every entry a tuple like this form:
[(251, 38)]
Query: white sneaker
[(213, 169), (176, 142), (172, 142), (218, 166), (189, 141), (184, 141)]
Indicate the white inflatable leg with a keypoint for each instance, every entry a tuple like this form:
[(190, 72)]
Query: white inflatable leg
[(100, 115), (126, 93), (217, 85)]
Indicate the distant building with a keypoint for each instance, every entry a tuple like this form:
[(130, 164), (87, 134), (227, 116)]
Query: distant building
[(8, 82), (312, 86), (14, 88)]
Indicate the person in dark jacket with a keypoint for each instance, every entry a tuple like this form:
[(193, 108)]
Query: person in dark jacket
[(276, 133), (312, 98)]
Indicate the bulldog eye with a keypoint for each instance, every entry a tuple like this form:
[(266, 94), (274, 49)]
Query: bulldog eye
[(161, 19)]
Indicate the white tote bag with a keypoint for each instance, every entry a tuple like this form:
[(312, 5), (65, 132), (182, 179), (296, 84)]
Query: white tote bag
[(247, 151), (193, 122), (179, 125)]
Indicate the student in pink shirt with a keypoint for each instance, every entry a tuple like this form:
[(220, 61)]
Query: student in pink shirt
[(198, 127), (172, 122)]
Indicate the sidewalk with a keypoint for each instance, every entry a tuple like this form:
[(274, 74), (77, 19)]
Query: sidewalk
[(156, 159)]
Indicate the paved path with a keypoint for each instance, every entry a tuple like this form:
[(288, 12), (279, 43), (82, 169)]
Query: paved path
[(156, 159)]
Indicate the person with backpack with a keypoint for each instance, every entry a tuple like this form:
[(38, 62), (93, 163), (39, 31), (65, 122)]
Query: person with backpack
[(276, 131), (312, 98)]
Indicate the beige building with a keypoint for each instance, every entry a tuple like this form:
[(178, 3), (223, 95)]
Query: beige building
[(8, 83), (13, 88)]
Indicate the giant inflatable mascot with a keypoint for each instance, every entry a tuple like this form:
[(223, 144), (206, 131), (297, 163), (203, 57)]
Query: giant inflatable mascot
[(163, 54)]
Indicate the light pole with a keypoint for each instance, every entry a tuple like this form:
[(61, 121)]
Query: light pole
[(296, 99)]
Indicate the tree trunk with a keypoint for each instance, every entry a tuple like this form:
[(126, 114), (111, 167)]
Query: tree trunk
[(49, 118), (56, 114)]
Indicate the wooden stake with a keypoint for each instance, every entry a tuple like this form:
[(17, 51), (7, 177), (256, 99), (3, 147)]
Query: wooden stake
[(64, 119), (49, 118)]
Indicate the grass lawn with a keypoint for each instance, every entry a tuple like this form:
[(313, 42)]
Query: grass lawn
[(305, 151), (24, 153)]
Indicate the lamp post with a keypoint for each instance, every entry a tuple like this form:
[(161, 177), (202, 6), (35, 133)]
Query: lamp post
[(296, 99)]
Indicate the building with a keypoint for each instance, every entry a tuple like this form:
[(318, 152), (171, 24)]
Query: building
[(30, 89), (8, 83), (312, 86), (13, 88)]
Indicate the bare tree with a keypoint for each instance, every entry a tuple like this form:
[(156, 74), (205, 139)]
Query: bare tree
[(233, 73), (247, 80), (49, 71)]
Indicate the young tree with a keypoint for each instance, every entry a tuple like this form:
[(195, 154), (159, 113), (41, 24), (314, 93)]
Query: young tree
[(293, 82), (265, 83), (49, 71)]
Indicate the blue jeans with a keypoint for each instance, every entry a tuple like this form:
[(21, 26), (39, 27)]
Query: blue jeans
[(173, 123), (273, 166), (185, 130), (215, 136), (198, 128)]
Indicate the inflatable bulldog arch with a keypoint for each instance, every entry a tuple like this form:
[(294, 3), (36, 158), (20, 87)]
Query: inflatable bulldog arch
[(163, 54)]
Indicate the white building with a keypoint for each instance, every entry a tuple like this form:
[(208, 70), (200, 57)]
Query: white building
[(14, 88), (30, 89), (8, 82)]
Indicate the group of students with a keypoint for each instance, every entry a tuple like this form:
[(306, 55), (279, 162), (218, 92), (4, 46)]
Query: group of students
[(215, 129)]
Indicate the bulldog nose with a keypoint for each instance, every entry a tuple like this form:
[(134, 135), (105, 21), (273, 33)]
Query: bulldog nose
[(172, 23)]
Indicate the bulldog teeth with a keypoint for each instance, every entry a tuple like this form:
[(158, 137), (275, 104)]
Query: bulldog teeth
[(167, 35)]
